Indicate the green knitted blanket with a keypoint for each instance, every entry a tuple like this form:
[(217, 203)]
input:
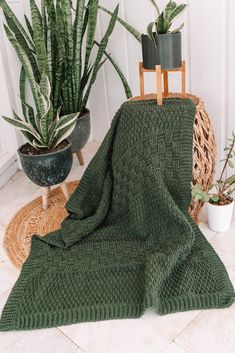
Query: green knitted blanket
[(128, 243)]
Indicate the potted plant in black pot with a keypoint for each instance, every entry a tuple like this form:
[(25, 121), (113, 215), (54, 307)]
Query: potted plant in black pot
[(161, 45), (60, 41), (46, 157)]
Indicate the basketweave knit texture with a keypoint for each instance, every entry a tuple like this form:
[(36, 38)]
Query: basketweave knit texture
[(128, 243)]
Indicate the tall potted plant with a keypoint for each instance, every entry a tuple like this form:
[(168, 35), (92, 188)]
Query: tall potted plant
[(162, 45), (59, 41), (220, 202)]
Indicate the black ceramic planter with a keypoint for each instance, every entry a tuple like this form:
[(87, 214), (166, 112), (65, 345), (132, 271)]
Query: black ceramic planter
[(81, 133), (166, 53), (47, 169)]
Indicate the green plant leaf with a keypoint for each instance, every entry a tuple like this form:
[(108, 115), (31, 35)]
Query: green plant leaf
[(102, 47), (78, 35), (24, 45), (230, 163), (62, 134), (214, 198), (68, 31), (92, 20), (27, 66), (177, 11), (120, 73), (7, 10), (21, 125), (150, 32), (38, 35), (178, 29), (66, 120), (230, 180), (129, 28), (156, 6), (29, 27), (162, 25)]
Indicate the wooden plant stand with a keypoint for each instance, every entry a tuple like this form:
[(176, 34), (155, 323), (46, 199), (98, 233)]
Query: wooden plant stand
[(80, 157), (46, 192), (159, 72)]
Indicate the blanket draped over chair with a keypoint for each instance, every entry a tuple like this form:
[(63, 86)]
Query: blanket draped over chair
[(128, 243)]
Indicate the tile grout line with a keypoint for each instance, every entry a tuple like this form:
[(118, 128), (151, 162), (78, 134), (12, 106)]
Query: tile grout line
[(69, 338), (185, 351), (179, 333)]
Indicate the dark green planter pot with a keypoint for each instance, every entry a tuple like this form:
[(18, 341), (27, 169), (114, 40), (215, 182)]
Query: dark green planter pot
[(166, 53), (47, 169), (81, 133)]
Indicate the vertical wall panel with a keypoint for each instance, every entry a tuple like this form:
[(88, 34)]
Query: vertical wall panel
[(208, 50)]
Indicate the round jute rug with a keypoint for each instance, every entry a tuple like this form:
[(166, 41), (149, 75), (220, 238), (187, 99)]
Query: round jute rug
[(32, 219)]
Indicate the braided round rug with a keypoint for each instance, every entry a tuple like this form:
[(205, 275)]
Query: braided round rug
[(32, 219)]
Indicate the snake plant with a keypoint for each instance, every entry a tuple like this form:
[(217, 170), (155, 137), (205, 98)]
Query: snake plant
[(59, 41), (165, 19), (41, 130)]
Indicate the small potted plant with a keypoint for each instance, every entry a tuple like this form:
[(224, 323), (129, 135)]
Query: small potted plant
[(220, 202), (46, 158), (161, 45)]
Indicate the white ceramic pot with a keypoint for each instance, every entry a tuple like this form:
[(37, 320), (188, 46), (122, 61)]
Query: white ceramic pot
[(220, 217)]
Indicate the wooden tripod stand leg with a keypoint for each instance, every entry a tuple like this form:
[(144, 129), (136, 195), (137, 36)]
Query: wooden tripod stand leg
[(80, 157), (141, 77), (159, 84), (45, 195), (65, 189), (166, 85), (183, 79)]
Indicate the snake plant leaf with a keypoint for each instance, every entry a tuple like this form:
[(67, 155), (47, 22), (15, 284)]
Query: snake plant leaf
[(92, 20), (62, 134), (38, 35), (156, 6), (120, 73), (100, 53), (22, 83), (177, 11), (129, 28), (26, 64), (150, 31), (29, 27), (178, 29), (66, 120), (23, 43), (29, 116), (39, 145), (85, 22), (21, 125), (78, 29), (44, 21), (45, 125), (162, 25), (7, 10), (45, 87), (68, 25)]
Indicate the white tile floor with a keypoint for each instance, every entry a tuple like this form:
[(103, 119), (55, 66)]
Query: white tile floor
[(207, 331)]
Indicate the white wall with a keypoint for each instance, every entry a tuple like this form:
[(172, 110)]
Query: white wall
[(208, 47)]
